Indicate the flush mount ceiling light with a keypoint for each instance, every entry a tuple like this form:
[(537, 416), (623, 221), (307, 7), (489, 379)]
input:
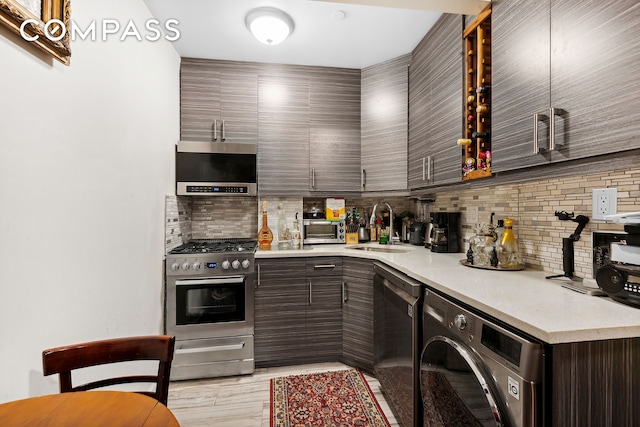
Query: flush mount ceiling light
[(269, 25)]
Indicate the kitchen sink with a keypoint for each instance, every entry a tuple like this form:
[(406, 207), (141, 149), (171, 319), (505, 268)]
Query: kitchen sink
[(388, 249)]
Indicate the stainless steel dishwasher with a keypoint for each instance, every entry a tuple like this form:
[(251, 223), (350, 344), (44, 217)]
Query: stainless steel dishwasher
[(398, 341)]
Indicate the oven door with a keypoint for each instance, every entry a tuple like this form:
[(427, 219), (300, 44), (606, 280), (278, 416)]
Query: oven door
[(210, 307)]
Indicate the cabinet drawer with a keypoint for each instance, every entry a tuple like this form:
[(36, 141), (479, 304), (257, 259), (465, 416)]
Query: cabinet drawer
[(324, 266)]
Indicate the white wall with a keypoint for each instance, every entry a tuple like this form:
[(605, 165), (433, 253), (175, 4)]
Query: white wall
[(86, 158)]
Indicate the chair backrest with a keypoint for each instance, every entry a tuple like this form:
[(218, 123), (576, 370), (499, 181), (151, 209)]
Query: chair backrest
[(63, 360)]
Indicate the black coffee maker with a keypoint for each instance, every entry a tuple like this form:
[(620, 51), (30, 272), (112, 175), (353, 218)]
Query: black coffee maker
[(445, 232)]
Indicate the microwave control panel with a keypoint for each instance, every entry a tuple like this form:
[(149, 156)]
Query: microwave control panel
[(216, 189)]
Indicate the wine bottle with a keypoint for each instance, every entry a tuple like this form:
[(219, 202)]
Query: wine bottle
[(265, 236)]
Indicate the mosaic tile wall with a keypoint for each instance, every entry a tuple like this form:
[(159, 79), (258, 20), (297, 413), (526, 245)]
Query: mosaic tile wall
[(533, 205), (177, 221), (217, 217), (190, 217)]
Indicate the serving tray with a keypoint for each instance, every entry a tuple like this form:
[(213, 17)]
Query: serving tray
[(467, 264)]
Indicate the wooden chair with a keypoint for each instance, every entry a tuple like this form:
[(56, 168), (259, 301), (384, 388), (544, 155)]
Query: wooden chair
[(63, 360)]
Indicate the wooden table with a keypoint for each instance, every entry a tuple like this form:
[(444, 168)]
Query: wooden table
[(88, 408)]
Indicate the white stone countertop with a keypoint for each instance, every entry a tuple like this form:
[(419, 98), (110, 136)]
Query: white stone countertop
[(523, 299)]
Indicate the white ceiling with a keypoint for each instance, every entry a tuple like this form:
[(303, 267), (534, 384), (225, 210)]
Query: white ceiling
[(215, 29)]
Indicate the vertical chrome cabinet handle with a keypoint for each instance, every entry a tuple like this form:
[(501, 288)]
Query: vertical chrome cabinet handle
[(553, 112), (429, 172), (224, 138), (537, 118), (345, 296), (310, 294), (552, 130), (313, 177), (258, 282), (363, 178), (536, 147), (424, 168), (215, 130)]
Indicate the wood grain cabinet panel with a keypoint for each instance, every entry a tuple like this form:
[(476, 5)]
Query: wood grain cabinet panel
[(435, 105), (280, 312), (324, 309), (419, 110), (309, 126), (283, 151), (385, 90), (578, 57), (357, 313), (334, 150), (594, 76), (218, 101), (596, 384), (298, 316), (334, 159)]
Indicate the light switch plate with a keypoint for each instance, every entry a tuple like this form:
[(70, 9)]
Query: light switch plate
[(604, 202)]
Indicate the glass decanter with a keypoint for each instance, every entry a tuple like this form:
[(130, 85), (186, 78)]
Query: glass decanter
[(508, 253)]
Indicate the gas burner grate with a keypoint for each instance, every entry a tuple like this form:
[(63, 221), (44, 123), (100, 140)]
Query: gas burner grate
[(197, 246)]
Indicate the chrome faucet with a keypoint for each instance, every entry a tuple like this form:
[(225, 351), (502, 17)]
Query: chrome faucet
[(372, 221)]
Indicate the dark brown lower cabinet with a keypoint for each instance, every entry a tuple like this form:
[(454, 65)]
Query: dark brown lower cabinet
[(280, 312), (298, 313), (357, 313), (596, 383), (324, 309)]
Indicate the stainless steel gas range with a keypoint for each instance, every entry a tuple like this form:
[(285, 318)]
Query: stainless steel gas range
[(209, 307)]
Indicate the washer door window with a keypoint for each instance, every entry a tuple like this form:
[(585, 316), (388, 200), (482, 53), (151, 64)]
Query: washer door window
[(455, 390)]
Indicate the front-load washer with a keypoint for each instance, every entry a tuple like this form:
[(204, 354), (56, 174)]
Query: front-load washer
[(474, 372)]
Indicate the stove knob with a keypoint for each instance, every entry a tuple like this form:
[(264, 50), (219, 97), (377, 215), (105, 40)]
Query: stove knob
[(460, 321), (195, 266), (246, 263), (225, 264), (235, 264), (175, 266), (185, 265)]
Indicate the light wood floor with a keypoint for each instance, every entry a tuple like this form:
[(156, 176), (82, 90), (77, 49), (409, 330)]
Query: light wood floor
[(243, 401)]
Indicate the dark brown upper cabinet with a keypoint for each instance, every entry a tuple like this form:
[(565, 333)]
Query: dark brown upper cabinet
[(565, 80)]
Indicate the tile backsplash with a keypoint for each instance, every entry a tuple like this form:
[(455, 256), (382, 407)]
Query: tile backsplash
[(177, 221), (189, 217), (533, 205)]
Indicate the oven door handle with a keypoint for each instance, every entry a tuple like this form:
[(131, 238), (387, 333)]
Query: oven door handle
[(212, 348), (209, 281)]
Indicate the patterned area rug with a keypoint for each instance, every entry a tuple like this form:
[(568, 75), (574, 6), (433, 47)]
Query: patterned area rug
[(339, 398)]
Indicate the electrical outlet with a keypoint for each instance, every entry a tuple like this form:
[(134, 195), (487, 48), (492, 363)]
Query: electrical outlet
[(604, 202), (473, 214)]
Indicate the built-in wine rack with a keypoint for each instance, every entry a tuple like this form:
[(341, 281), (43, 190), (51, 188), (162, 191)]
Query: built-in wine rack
[(476, 158)]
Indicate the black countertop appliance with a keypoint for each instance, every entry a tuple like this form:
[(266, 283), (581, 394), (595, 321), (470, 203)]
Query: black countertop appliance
[(446, 232), (416, 233)]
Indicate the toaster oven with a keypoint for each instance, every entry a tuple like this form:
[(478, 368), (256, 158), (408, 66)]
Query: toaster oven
[(321, 231)]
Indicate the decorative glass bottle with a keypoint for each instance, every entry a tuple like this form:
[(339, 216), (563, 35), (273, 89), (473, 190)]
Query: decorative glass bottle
[(265, 236), (508, 254), (295, 233), (284, 234)]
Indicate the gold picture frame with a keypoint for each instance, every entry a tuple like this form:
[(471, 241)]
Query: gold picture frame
[(13, 14)]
